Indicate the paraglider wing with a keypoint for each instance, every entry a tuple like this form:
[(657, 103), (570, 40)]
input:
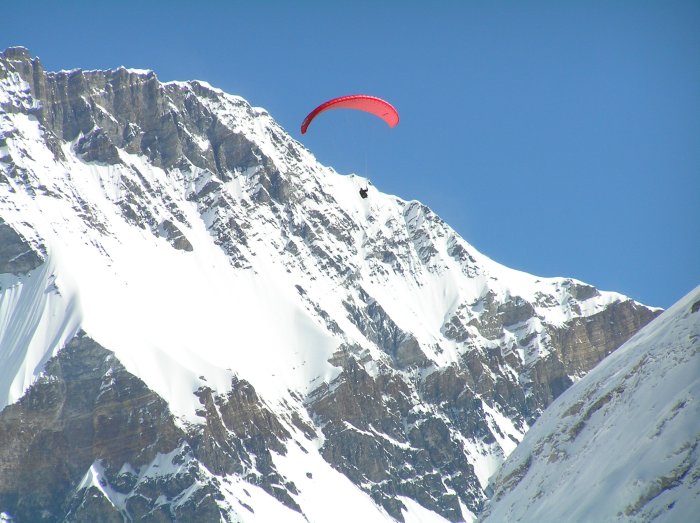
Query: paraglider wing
[(361, 102)]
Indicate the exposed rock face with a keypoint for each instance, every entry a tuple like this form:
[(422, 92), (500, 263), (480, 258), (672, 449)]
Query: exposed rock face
[(384, 437), (377, 325), (85, 409), (106, 110), (88, 439), (582, 343), (16, 254), (175, 236), (238, 438), (421, 404)]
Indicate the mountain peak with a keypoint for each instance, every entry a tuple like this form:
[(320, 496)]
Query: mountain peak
[(16, 53), (197, 244)]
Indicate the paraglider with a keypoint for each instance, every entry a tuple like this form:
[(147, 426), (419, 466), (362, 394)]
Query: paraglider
[(361, 102)]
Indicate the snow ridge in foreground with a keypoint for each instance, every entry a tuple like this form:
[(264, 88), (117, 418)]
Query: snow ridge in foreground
[(621, 444)]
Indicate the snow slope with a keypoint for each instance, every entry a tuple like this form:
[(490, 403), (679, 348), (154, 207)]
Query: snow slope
[(622, 444)]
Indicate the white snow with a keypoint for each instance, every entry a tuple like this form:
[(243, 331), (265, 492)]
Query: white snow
[(94, 477), (136, 71), (35, 322), (254, 505), (503, 429), (323, 489), (416, 513)]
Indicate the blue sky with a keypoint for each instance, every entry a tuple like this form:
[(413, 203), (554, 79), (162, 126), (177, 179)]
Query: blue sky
[(558, 138)]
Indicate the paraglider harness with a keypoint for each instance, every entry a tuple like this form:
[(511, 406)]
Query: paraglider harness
[(363, 192)]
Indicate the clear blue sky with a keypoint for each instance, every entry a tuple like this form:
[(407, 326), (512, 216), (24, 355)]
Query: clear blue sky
[(559, 138)]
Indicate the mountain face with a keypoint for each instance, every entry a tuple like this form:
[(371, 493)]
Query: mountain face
[(198, 321), (621, 444)]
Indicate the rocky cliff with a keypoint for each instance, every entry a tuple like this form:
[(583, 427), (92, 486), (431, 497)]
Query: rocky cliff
[(198, 320)]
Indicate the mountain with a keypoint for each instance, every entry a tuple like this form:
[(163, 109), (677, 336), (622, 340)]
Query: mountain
[(198, 321), (621, 444)]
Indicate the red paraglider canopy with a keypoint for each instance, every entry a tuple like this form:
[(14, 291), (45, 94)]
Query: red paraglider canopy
[(361, 102)]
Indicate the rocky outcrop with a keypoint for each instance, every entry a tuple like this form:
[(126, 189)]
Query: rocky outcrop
[(174, 236), (377, 326), (565, 351), (385, 439), (104, 111), (580, 345), (238, 438), (84, 409), (17, 256), (583, 342), (90, 442)]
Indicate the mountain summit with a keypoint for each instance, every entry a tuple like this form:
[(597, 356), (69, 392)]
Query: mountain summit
[(198, 321)]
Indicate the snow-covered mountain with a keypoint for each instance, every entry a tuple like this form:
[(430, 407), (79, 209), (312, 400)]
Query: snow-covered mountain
[(198, 321), (621, 444)]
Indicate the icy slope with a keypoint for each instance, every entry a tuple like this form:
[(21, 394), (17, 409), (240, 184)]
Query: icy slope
[(621, 444)]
